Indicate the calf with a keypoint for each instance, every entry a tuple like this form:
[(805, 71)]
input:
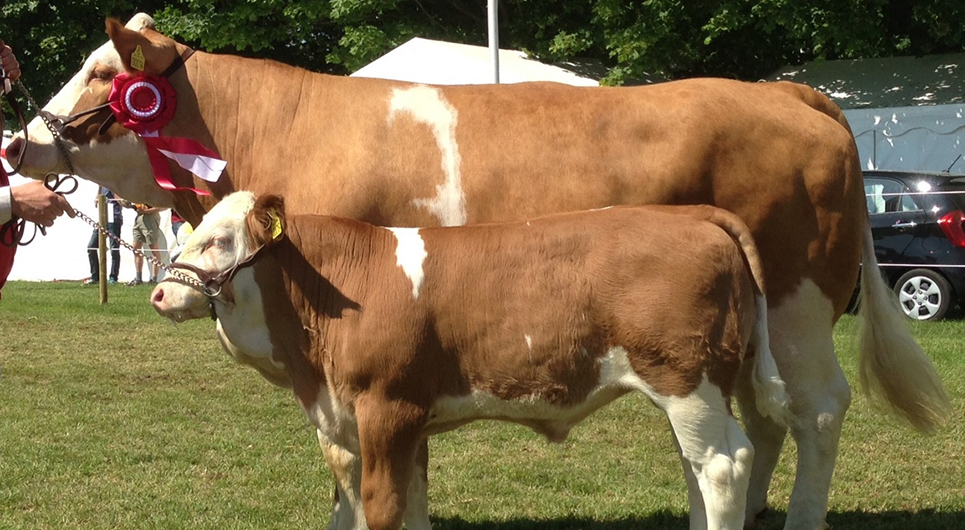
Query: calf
[(389, 335)]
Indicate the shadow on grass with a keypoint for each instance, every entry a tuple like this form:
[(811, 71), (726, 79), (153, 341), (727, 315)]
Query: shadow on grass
[(772, 520)]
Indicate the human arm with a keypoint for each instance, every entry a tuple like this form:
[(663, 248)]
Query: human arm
[(35, 203)]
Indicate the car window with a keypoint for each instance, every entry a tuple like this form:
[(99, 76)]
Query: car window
[(888, 196)]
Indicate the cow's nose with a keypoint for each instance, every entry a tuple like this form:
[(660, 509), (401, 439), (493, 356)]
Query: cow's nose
[(13, 149), (157, 297)]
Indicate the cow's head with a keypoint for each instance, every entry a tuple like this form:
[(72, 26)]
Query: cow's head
[(114, 157), (231, 232), (229, 235)]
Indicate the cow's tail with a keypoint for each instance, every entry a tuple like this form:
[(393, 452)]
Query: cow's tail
[(892, 366), (770, 392)]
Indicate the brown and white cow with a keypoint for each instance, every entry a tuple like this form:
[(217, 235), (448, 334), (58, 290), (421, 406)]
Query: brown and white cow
[(389, 335), (779, 155)]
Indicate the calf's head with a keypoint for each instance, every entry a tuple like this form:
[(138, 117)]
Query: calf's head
[(230, 234)]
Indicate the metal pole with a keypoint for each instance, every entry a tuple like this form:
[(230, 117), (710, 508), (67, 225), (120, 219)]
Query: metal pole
[(102, 247), (494, 37)]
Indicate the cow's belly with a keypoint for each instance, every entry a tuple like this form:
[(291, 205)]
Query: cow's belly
[(549, 419)]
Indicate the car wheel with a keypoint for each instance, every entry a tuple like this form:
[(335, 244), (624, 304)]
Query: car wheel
[(923, 294)]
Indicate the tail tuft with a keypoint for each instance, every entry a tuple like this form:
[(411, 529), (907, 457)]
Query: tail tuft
[(893, 368)]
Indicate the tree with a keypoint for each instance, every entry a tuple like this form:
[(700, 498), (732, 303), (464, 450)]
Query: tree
[(670, 38)]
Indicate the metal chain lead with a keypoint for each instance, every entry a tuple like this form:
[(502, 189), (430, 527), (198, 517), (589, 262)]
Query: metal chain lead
[(173, 272), (97, 226)]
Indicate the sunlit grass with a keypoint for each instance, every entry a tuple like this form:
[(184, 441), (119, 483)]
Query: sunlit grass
[(111, 417)]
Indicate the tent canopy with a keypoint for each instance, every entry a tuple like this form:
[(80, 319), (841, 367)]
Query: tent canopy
[(448, 63), (906, 113)]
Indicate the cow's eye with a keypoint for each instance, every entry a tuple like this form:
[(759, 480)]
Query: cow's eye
[(102, 73), (221, 242)]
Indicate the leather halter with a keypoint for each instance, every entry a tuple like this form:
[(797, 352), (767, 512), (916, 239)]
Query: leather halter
[(60, 122), (214, 283)]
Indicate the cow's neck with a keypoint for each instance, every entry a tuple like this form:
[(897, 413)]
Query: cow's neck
[(310, 284)]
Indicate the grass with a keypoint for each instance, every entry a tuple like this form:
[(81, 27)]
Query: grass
[(111, 417)]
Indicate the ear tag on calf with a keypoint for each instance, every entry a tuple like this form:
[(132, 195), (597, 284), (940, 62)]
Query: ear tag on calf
[(276, 226), (137, 58)]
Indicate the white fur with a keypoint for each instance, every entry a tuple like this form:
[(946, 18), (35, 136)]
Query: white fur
[(426, 105), (819, 397), (410, 253)]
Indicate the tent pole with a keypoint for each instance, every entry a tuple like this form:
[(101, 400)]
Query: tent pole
[(493, 10)]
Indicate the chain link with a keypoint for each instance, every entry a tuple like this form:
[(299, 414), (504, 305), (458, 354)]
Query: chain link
[(151, 259), (97, 226)]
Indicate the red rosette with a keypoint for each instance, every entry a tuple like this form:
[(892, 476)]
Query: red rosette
[(142, 103)]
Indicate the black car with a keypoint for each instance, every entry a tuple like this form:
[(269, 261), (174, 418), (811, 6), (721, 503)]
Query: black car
[(916, 220)]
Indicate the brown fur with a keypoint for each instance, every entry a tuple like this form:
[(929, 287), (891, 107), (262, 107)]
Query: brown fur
[(341, 314)]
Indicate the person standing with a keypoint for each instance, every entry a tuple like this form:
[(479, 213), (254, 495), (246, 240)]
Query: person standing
[(115, 220), (147, 229), (31, 201)]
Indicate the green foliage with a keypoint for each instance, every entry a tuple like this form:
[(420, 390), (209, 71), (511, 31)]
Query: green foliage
[(631, 39)]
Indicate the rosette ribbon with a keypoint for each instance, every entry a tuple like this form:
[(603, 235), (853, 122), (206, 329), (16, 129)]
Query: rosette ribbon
[(146, 103)]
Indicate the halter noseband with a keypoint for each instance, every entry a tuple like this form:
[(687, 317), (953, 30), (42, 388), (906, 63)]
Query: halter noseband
[(213, 284)]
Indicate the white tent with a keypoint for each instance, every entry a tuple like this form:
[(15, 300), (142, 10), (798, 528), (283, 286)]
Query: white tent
[(447, 63), (62, 253), (906, 113)]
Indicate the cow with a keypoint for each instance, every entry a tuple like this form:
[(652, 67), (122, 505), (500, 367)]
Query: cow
[(779, 155), (389, 335)]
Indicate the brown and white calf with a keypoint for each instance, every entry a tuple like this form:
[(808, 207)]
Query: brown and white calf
[(389, 335)]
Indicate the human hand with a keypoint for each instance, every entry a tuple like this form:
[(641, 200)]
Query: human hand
[(9, 61), (35, 203)]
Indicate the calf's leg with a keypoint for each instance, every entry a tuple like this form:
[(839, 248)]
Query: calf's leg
[(718, 452), (698, 514), (416, 515), (346, 466), (389, 435)]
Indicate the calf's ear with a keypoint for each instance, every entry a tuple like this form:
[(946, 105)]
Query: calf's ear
[(266, 221)]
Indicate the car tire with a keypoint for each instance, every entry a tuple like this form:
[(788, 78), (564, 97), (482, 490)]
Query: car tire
[(923, 294)]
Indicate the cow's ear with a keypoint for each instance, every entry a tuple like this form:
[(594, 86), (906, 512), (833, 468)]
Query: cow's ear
[(137, 52), (266, 220)]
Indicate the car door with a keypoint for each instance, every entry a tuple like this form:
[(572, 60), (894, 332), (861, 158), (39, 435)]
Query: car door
[(896, 217)]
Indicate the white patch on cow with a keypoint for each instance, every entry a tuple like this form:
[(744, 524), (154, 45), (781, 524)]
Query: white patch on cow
[(801, 342), (410, 253), (529, 342), (426, 105)]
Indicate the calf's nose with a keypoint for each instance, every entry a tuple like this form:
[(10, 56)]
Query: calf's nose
[(157, 298)]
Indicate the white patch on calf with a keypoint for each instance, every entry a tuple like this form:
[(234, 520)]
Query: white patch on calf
[(410, 253), (426, 105), (549, 419)]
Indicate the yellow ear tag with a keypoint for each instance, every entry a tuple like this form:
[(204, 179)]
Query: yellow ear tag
[(276, 227), (137, 58)]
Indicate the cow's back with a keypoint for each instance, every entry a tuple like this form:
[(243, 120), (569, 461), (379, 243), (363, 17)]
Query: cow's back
[(399, 154)]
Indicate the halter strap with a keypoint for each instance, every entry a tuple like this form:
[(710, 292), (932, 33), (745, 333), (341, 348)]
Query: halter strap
[(61, 122)]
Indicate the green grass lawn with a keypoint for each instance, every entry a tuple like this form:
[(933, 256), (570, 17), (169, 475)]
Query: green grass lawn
[(111, 417)]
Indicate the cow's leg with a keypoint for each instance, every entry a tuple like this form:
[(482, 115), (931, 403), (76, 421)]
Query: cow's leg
[(804, 350), (698, 514), (416, 515), (767, 436), (389, 435), (347, 513), (719, 453)]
